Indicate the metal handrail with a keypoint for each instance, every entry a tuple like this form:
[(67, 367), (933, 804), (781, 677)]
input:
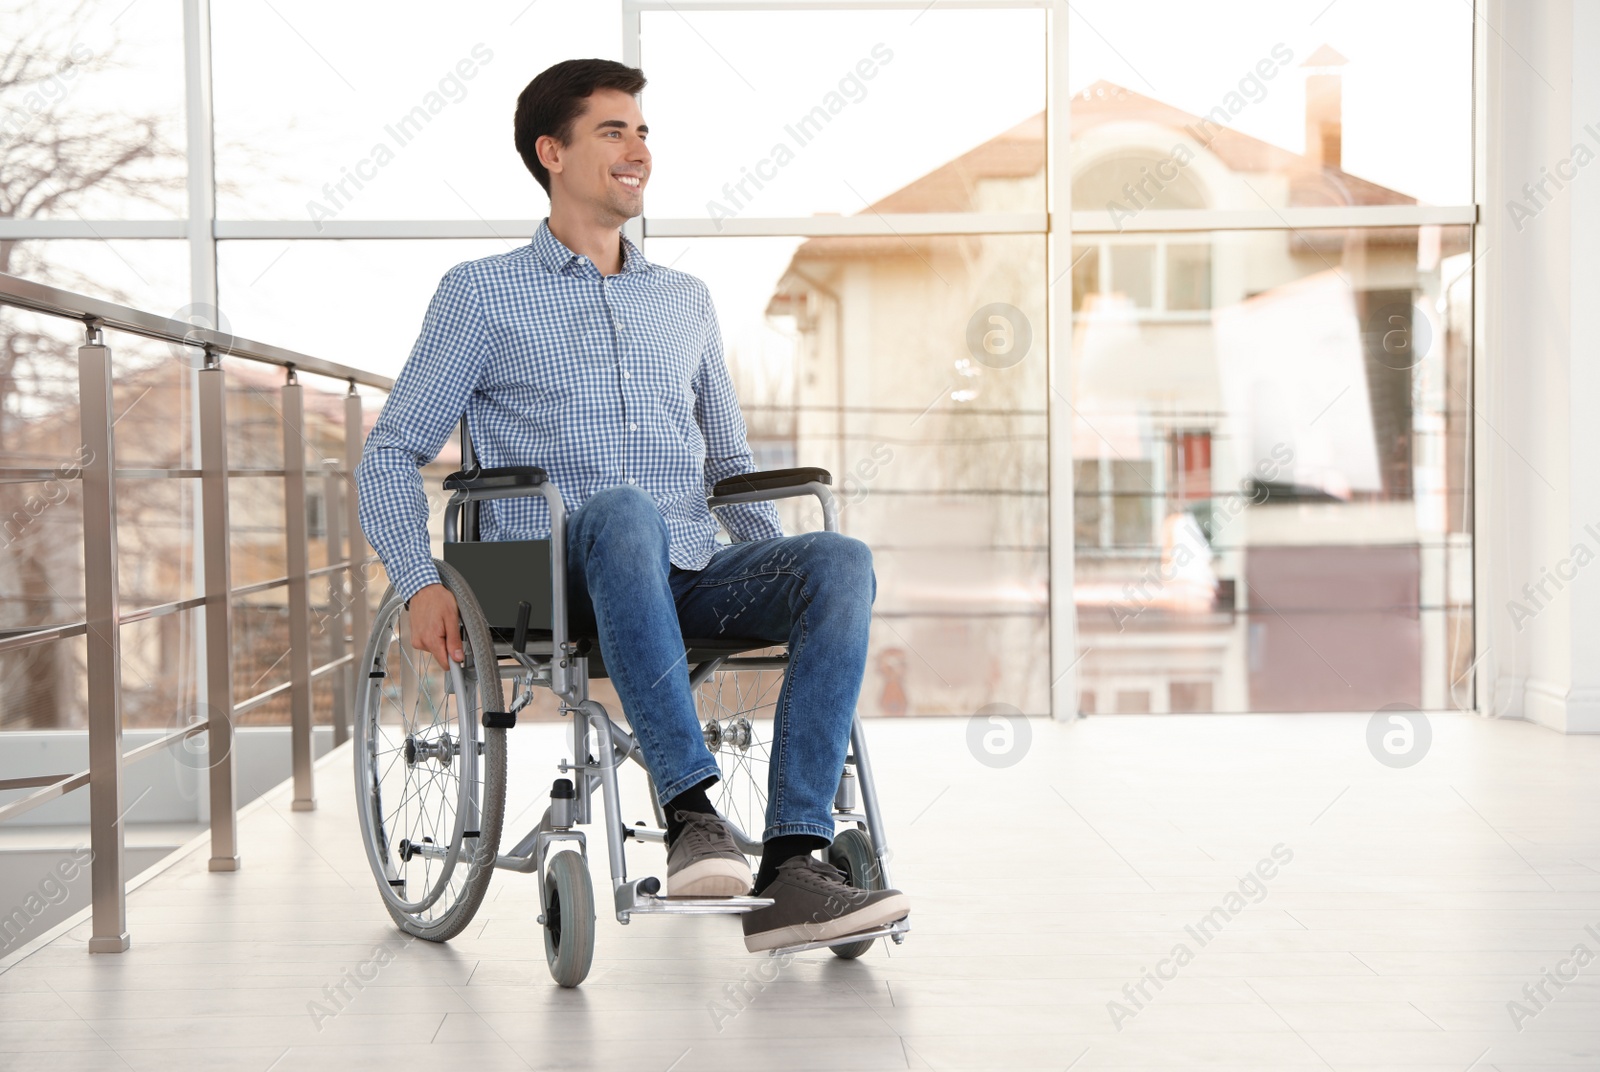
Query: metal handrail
[(97, 480), (40, 636), (18, 641), (43, 298), (26, 475)]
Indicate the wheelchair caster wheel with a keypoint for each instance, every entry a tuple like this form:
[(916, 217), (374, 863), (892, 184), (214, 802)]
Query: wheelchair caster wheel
[(851, 852), (568, 918)]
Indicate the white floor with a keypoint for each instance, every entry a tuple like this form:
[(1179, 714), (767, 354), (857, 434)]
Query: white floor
[(1416, 906)]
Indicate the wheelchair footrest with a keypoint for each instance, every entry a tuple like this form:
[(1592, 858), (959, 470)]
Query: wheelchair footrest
[(888, 930), (698, 906)]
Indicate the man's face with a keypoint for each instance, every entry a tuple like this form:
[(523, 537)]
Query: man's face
[(606, 166)]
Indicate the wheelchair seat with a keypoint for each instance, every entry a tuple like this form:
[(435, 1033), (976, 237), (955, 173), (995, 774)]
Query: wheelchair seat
[(504, 574)]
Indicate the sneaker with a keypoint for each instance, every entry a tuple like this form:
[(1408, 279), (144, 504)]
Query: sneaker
[(704, 861), (811, 902)]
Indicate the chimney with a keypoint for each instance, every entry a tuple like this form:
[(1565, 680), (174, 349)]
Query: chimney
[(1323, 107)]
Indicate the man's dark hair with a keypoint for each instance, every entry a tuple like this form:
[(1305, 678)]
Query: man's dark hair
[(555, 98)]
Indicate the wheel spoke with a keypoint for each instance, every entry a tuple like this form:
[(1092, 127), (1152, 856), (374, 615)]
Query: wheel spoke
[(741, 704)]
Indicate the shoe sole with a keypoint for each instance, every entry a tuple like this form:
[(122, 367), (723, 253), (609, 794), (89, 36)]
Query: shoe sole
[(710, 878), (874, 915)]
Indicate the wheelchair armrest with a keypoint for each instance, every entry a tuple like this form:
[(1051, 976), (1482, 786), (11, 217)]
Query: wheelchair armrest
[(771, 480), (510, 476)]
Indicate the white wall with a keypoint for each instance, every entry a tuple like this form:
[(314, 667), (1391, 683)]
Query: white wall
[(1538, 432)]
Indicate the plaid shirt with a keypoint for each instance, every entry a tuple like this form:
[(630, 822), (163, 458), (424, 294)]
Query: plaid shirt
[(599, 380)]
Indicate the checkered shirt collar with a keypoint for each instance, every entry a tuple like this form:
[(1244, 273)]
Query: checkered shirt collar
[(555, 256)]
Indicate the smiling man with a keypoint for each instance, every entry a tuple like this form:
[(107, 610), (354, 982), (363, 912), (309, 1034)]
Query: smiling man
[(575, 354)]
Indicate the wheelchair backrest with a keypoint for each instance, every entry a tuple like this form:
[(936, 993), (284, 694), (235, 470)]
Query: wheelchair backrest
[(501, 573), (469, 513)]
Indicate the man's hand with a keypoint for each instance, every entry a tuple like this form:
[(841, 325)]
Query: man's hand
[(436, 624)]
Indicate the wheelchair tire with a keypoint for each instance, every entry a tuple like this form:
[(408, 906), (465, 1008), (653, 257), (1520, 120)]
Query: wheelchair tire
[(430, 777), (851, 852), (569, 920)]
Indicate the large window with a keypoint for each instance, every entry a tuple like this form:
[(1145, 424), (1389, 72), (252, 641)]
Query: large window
[(1149, 277), (1272, 499), (1269, 378), (909, 364), (1230, 325)]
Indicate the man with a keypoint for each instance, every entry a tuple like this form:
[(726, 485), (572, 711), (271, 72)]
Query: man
[(575, 354)]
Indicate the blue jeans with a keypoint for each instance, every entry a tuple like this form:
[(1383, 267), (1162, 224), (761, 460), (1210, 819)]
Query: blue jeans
[(812, 592)]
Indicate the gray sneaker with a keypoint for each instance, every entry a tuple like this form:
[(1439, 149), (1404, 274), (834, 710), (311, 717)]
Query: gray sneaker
[(812, 902), (704, 861)]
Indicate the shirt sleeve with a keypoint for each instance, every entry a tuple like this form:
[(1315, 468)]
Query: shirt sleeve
[(716, 409), (422, 410)]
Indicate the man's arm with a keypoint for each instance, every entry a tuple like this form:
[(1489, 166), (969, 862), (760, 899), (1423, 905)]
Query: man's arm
[(425, 406), (716, 409)]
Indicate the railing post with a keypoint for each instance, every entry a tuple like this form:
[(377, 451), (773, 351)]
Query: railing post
[(297, 538), (211, 387), (102, 611), (360, 620), (333, 621)]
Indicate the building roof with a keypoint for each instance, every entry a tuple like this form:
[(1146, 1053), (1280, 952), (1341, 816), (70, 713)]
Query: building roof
[(1325, 56), (1018, 153)]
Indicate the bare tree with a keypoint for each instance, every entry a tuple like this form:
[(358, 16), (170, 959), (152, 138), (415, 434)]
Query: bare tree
[(58, 159)]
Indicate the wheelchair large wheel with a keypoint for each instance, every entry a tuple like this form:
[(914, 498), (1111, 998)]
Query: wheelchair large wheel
[(736, 709), (430, 778)]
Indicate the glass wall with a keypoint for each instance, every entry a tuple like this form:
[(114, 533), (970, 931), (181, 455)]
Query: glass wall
[(1270, 437), (852, 354), (857, 109), (1356, 102), (392, 113), (92, 112), (317, 296), (866, 354), (1265, 437), (1270, 501), (91, 150)]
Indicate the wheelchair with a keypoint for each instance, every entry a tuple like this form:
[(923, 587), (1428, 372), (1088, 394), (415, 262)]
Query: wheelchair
[(430, 746)]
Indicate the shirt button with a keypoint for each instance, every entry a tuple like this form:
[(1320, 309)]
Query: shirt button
[(627, 375), (633, 427)]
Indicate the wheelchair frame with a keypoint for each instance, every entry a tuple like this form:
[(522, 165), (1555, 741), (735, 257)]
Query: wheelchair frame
[(561, 665)]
